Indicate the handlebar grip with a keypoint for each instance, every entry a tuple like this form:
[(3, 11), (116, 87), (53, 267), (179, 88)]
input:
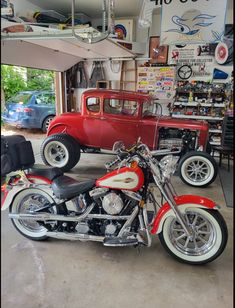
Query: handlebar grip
[(109, 165)]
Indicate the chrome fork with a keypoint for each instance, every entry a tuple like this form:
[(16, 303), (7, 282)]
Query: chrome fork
[(168, 195)]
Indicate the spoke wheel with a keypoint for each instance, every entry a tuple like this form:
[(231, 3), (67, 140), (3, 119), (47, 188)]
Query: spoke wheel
[(207, 241), (26, 202), (198, 169), (200, 242)]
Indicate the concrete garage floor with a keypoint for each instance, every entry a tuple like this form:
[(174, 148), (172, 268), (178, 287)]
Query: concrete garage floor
[(66, 274)]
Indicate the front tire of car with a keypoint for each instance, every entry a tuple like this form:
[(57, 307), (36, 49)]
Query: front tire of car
[(198, 169), (61, 151)]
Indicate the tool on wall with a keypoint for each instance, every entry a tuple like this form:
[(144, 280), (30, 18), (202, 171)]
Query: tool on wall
[(97, 74)]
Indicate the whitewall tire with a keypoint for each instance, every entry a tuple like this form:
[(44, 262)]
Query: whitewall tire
[(208, 241)]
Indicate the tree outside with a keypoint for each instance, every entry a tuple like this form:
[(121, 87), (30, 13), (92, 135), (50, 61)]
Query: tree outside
[(15, 79)]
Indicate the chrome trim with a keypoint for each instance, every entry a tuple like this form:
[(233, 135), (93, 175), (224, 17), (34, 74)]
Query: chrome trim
[(132, 195), (164, 152), (111, 217), (128, 222), (48, 216), (75, 236)]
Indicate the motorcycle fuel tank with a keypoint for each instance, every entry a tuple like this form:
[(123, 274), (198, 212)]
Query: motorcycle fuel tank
[(124, 178)]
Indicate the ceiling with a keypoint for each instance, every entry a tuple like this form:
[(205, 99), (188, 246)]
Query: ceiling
[(92, 8)]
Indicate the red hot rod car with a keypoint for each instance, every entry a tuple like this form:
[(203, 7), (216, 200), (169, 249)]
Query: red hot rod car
[(110, 115)]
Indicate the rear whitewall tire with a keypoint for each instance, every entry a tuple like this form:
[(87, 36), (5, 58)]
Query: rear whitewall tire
[(39, 232)]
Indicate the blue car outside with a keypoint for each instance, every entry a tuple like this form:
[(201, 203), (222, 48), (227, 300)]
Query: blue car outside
[(30, 109)]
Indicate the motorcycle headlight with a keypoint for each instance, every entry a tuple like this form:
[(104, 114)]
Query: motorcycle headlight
[(168, 165)]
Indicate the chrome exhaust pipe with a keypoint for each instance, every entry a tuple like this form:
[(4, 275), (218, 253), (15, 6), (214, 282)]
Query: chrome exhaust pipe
[(75, 236), (164, 152), (48, 216)]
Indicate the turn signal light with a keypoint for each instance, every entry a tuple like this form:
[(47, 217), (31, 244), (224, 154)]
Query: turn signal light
[(134, 164)]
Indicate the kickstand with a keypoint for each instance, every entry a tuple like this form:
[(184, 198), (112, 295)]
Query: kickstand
[(138, 249)]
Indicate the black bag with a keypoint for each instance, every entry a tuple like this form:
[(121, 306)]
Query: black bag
[(16, 154)]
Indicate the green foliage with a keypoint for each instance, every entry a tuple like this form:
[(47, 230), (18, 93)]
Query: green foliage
[(39, 79), (11, 81), (14, 81)]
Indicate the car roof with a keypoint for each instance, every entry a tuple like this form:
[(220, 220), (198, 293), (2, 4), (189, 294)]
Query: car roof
[(35, 92), (125, 93)]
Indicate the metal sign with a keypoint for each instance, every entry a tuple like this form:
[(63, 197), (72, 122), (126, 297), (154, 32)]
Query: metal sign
[(193, 21)]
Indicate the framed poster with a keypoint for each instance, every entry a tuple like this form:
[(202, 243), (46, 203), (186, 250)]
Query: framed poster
[(157, 53), (193, 22)]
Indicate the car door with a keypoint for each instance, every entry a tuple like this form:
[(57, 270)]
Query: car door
[(91, 125), (44, 106), (119, 122), (148, 124)]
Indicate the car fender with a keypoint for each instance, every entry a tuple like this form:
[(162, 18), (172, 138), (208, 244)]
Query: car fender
[(38, 182), (184, 202), (58, 128)]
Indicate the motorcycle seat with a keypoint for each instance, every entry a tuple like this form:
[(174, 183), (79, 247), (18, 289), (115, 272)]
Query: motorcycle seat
[(65, 187), (46, 171)]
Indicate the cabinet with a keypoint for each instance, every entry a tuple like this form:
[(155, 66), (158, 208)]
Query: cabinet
[(209, 103)]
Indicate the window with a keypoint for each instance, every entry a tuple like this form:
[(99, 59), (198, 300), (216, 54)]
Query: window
[(45, 98), (21, 98), (93, 104), (123, 107), (149, 109)]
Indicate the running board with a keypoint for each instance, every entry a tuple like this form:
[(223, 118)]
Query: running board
[(75, 236)]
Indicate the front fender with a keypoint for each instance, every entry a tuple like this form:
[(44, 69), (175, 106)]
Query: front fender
[(185, 202)]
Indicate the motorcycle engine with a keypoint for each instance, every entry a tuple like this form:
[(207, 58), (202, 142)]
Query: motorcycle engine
[(112, 204)]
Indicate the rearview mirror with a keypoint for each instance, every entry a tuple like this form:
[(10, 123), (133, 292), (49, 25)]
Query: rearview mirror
[(118, 145)]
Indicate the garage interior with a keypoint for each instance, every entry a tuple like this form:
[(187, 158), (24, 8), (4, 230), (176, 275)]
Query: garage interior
[(68, 274)]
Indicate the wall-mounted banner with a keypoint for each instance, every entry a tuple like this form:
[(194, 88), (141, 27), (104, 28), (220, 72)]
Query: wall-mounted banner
[(193, 21), (199, 58)]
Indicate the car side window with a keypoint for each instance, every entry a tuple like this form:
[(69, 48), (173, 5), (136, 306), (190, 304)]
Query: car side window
[(130, 108), (45, 98), (93, 104), (120, 107), (112, 106)]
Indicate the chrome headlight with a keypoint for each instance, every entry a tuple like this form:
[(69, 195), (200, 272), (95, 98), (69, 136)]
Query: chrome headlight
[(168, 165)]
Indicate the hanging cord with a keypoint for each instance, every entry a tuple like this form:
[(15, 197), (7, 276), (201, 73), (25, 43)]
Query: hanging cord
[(90, 38), (115, 66)]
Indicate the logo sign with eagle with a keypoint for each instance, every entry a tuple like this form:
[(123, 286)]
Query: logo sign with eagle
[(197, 22)]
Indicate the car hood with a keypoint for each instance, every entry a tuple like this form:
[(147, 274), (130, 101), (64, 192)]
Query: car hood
[(167, 121)]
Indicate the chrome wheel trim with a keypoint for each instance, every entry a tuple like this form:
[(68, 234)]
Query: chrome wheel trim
[(47, 122), (26, 202), (202, 240), (197, 170), (56, 154)]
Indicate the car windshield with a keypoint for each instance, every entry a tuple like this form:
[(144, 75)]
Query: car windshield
[(150, 108), (21, 98)]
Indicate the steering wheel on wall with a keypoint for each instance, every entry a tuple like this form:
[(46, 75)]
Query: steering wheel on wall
[(185, 72)]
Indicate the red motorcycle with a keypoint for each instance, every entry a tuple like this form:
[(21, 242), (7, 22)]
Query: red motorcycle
[(118, 209)]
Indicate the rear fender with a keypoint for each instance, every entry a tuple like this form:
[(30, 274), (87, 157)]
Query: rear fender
[(184, 202), (9, 193)]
